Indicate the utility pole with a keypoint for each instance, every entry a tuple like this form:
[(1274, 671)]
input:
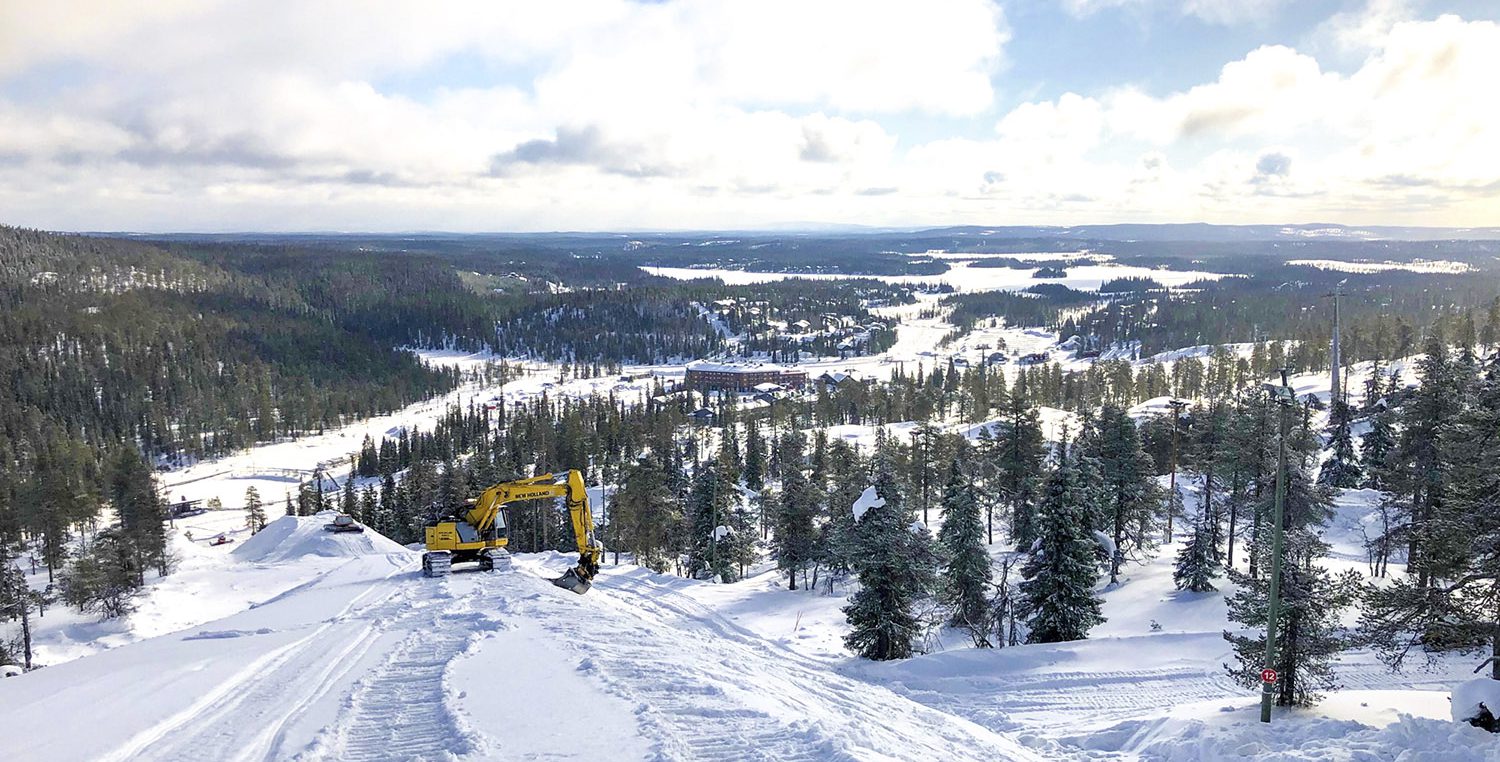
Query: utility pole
[(1177, 406), (1282, 397), (1336, 389)]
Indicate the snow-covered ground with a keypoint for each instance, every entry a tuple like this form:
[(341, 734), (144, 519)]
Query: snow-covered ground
[(348, 653), (303, 644), (371, 661)]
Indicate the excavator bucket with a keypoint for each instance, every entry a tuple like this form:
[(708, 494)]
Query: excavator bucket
[(573, 581)]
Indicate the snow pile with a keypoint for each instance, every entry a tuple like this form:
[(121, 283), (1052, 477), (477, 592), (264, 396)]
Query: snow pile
[(1468, 696), (867, 500), (10, 670), (1291, 736), (292, 537)]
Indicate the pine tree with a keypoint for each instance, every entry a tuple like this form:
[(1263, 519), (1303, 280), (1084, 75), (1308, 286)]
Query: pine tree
[(1455, 607), (838, 533), (964, 589), (132, 491), (255, 511), (17, 601), (1132, 501), (1058, 590), (882, 622), (349, 501), (1417, 469), (648, 511), (754, 473), (104, 579)]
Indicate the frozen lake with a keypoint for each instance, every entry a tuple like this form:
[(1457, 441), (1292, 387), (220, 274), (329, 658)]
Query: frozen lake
[(964, 277)]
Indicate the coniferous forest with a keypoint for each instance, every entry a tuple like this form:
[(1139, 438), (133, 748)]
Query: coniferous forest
[(125, 356)]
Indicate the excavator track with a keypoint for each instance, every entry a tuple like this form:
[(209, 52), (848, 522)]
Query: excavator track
[(437, 563)]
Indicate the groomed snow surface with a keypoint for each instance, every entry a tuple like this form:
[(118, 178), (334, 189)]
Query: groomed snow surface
[(368, 660)]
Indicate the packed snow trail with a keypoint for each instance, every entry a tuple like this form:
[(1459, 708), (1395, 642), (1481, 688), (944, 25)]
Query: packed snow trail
[(399, 710), (706, 689), (253, 715)]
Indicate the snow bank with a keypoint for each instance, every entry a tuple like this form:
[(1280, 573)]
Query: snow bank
[(1294, 736), (1468, 696), (291, 537)]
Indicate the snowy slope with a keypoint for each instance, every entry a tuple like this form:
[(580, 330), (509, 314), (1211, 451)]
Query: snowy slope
[(372, 661)]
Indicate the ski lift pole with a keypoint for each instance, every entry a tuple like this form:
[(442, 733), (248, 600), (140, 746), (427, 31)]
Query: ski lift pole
[(1282, 397)]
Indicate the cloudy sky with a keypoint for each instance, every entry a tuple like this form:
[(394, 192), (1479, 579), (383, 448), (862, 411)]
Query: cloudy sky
[(387, 115)]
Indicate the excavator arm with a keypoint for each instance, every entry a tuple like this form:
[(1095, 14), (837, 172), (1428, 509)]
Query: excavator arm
[(568, 486), (581, 577)]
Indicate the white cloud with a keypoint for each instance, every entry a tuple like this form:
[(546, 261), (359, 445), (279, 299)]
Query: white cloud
[(609, 113)]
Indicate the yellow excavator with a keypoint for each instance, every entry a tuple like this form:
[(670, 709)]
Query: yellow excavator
[(477, 533)]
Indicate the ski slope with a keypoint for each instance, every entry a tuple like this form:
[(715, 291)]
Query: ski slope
[(372, 661), (368, 660)]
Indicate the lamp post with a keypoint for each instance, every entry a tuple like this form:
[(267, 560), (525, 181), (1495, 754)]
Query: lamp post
[(1177, 406), (1283, 398)]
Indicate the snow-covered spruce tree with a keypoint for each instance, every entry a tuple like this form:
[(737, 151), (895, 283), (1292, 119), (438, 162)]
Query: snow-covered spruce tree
[(1342, 469), (1309, 633), (882, 622), (796, 506), (837, 539), (1197, 560), (1132, 501), (1455, 605), (1058, 601), (965, 583), (708, 508), (1018, 454), (1376, 447)]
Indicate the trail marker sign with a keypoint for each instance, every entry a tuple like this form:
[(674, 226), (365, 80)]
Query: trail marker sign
[(1268, 676)]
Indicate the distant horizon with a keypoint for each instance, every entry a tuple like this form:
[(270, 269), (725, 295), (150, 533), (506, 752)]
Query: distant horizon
[(771, 229)]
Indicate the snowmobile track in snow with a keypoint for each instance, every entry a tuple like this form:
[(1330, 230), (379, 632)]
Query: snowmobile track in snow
[(398, 711), (248, 716)]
